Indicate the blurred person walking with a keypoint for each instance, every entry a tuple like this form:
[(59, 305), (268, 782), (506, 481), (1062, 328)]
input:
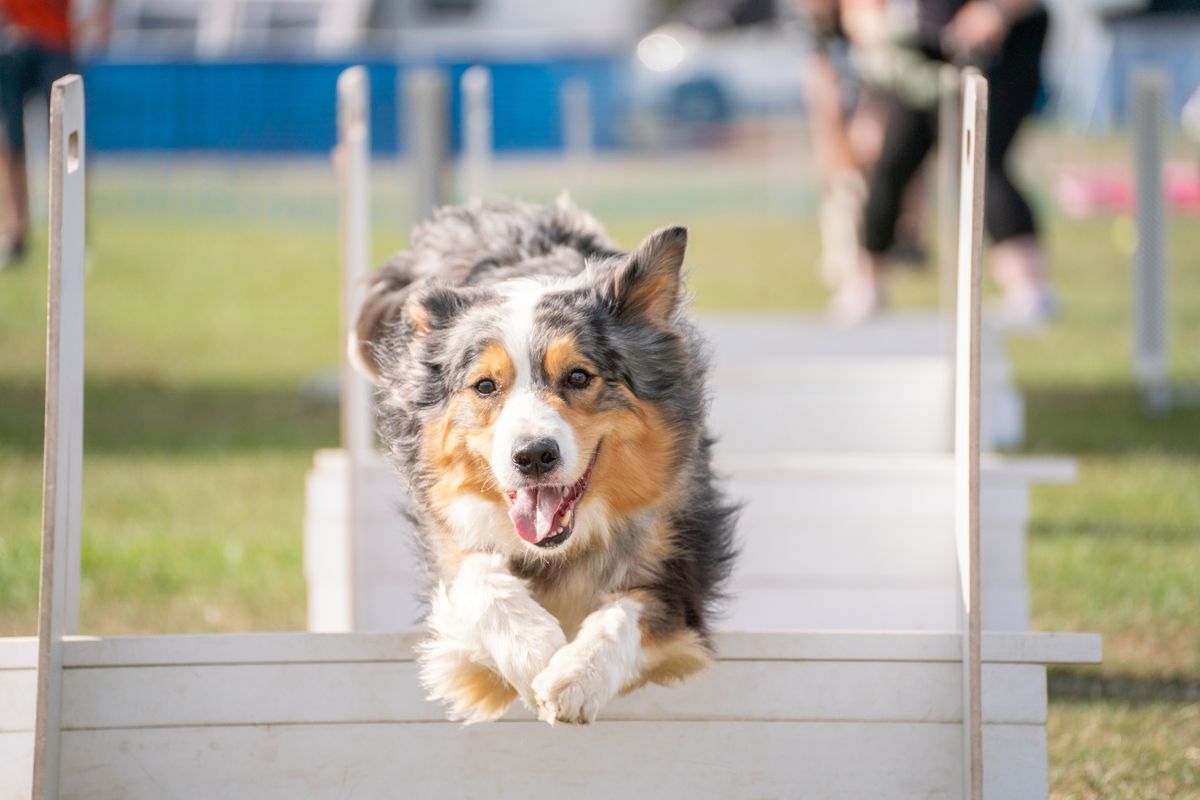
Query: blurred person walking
[(903, 44), (38, 40), (846, 122)]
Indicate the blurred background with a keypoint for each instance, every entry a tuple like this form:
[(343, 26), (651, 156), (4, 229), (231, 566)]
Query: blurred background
[(212, 311)]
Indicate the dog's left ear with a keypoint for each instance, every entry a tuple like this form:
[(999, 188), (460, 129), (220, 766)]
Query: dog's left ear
[(647, 284)]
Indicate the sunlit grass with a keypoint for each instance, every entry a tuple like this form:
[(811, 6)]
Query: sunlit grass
[(205, 332)]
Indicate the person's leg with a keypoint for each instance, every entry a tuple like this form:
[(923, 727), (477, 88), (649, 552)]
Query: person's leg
[(1018, 259), (14, 182), (908, 136)]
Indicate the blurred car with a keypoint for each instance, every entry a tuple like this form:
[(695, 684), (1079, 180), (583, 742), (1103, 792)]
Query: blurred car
[(718, 59)]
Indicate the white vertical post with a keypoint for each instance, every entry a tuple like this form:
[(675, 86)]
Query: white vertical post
[(353, 159), (62, 478), (477, 132), (1151, 312), (578, 146), (948, 155), (966, 422), (426, 124)]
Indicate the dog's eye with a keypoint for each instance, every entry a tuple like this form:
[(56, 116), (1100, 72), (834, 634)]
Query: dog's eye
[(578, 379), (485, 386)]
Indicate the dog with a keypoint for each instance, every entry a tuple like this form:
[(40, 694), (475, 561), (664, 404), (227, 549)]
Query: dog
[(543, 396)]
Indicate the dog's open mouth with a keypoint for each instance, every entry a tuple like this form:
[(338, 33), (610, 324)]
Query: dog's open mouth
[(545, 515)]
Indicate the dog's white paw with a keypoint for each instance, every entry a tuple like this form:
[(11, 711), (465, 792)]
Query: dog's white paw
[(571, 689), (526, 654), (471, 691)]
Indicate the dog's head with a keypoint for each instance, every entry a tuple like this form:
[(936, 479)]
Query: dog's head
[(537, 411)]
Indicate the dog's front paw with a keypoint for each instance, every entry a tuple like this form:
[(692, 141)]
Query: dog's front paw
[(571, 689), (472, 691)]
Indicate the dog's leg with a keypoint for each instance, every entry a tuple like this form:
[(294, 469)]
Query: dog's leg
[(490, 638), (616, 651)]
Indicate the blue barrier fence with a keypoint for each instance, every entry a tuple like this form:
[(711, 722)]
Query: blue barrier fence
[(289, 108)]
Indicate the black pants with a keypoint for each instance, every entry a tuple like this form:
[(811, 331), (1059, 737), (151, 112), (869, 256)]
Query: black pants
[(25, 69), (910, 133)]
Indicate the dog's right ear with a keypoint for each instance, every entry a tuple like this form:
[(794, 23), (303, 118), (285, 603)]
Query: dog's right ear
[(391, 315)]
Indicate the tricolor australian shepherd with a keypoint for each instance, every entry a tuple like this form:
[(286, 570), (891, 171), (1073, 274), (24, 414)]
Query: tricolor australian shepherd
[(543, 395)]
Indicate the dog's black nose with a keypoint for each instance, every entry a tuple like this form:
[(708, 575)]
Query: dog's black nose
[(536, 458)]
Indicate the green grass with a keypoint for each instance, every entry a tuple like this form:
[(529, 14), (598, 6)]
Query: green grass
[(204, 330), (1114, 749)]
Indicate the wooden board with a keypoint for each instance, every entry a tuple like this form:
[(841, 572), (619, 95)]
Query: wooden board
[(382, 691), (967, 413), (767, 603), (794, 382), (531, 761), (875, 531), (739, 337), (63, 462), (898, 404), (16, 765), (273, 648), (312, 715)]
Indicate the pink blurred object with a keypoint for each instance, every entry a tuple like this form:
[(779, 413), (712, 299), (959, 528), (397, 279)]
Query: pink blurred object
[(1083, 193)]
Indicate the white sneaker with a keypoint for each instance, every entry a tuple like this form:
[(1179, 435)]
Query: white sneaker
[(1027, 308), (856, 302)]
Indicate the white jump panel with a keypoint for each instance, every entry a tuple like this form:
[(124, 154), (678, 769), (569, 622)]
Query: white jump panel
[(311, 715), (787, 383), (531, 761), (828, 542), (62, 479)]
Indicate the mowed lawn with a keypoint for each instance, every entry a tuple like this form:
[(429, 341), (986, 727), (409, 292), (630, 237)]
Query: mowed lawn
[(205, 334)]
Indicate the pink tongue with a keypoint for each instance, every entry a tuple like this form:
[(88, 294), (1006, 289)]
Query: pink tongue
[(535, 512)]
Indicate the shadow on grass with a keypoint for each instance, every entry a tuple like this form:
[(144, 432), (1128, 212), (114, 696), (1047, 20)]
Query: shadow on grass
[(133, 417), (1105, 419), (1074, 684)]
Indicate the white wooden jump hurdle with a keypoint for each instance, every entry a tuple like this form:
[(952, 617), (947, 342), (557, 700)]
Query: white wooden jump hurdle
[(1151, 307), (476, 87), (884, 387), (426, 109), (786, 387), (311, 715)]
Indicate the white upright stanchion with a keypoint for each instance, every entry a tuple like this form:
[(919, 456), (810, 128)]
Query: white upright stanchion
[(578, 144), (477, 132), (1151, 312), (427, 128), (353, 159), (63, 477), (948, 155), (357, 407), (966, 422)]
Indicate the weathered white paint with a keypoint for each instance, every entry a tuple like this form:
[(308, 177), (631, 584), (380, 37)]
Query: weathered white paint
[(789, 383), (250, 714), (578, 147), (352, 160), (315, 715), (63, 470), (967, 421), (426, 107), (1012, 647), (476, 88), (357, 409), (1151, 281), (16, 763), (948, 160), (838, 541), (532, 761)]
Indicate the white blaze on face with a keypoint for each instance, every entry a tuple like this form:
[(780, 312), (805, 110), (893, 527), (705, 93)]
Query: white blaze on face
[(525, 415)]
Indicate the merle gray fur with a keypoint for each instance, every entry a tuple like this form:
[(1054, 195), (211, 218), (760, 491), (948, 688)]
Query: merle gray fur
[(448, 280)]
